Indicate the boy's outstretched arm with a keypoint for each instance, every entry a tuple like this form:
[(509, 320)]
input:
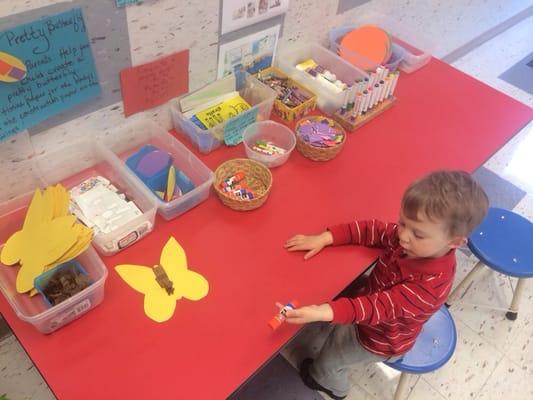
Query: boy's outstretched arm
[(371, 233)]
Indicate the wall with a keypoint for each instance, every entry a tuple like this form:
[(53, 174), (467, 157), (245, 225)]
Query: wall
[(160, 27)]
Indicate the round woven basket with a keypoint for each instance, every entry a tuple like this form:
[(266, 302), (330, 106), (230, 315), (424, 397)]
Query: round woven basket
[(258, 178), (316, 153)]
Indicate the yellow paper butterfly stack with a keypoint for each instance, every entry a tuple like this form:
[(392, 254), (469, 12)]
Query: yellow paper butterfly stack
[(49, 236), (159, 304)]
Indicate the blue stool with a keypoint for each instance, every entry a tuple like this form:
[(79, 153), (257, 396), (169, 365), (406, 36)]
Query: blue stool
[(503, 242), (433, 348)]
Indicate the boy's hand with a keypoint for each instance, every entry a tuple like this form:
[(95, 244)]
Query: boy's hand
[(307, 314), (313, 243)]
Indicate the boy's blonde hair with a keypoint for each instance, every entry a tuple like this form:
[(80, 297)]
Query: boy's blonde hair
[(449, 196)]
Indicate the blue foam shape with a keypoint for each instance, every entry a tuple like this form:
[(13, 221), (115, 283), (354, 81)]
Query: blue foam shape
[(184, 183)]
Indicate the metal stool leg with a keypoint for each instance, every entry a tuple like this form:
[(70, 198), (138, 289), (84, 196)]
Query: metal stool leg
[(458, 291), (402, 387), (513, 310)]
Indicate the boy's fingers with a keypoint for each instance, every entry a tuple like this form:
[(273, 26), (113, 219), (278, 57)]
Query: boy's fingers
[(310, 254), (296, 247), (279, 305)]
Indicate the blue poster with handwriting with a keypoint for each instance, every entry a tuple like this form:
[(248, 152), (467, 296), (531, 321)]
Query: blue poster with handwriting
[(60, 70)]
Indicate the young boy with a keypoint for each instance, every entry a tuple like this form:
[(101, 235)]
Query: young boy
[(411, 280)]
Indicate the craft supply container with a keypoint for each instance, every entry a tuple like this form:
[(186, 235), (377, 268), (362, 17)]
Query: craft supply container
[(35, 310), (269, 131), (128, 138), (259, 96), (74, 163), (284, 111), (327, 100), (258, 178), (411, 50), (316, 153)]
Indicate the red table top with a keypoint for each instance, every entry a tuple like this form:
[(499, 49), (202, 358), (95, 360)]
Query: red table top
[(443, 119)]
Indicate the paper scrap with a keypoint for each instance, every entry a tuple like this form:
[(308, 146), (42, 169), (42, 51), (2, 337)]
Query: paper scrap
[(158, 304), (154, 83), (60, 70)]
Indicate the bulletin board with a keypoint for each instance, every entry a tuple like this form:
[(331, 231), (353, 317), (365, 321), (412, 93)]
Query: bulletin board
[(109, 39)]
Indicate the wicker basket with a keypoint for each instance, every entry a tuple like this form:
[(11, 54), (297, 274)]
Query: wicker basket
[(258, 178), (318, 153)]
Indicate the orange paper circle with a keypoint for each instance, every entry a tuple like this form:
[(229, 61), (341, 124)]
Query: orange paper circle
[(371, 45)]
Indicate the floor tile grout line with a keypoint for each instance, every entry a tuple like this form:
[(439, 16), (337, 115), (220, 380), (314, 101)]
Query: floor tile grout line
[(434, 388), (488, 378), (488, 35)]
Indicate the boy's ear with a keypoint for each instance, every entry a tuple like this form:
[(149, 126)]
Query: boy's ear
[(458, 241)]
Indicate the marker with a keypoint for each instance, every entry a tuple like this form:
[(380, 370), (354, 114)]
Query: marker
[(388, 83), (375, 93), (381, 90), (396, 76), (345, 101), (351, 98), (364, 95), (372, 79), (357, 104), (367, 100), (379, 73)]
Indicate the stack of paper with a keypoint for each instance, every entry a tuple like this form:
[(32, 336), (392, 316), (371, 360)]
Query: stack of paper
[(217, 110), (97, 203)]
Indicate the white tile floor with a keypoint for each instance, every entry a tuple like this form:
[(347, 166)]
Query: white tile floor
[(493, 357)]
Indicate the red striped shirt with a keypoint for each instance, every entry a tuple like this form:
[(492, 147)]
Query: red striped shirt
[(400, 294)]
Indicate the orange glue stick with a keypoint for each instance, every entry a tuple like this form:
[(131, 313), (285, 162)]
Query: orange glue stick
[(278, 319)]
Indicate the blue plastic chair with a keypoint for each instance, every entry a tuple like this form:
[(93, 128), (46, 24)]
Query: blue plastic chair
[(503, 242), (433, 348)]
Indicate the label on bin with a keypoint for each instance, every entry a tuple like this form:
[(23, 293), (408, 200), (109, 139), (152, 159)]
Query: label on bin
[(235, 126), (71, 314)]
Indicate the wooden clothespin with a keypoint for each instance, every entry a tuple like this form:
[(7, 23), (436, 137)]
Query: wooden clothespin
[(162, 278)]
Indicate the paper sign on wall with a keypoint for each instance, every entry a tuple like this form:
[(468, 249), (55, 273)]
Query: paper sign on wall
[(253, 53), (60, 70), (237, 14), (235, 126), (149, 85)]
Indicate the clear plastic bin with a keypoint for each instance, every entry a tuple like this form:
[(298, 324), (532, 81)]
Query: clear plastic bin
[(72, 164), (258, 95), (269, 131), (134, 134), (411, 49), (327, 100), (336, 35), (34, 310)]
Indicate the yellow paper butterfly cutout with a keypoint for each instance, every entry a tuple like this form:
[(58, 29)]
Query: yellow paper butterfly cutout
[(49, 236), (158, 304)]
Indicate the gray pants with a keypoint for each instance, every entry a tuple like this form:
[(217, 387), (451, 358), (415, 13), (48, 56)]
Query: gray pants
[(340, 352)]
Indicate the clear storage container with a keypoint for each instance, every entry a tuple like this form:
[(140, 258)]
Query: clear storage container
[(327, 100), (258, 95), (74, 163), (34, 310), (269, 131), (128, 138), (411, 49)]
